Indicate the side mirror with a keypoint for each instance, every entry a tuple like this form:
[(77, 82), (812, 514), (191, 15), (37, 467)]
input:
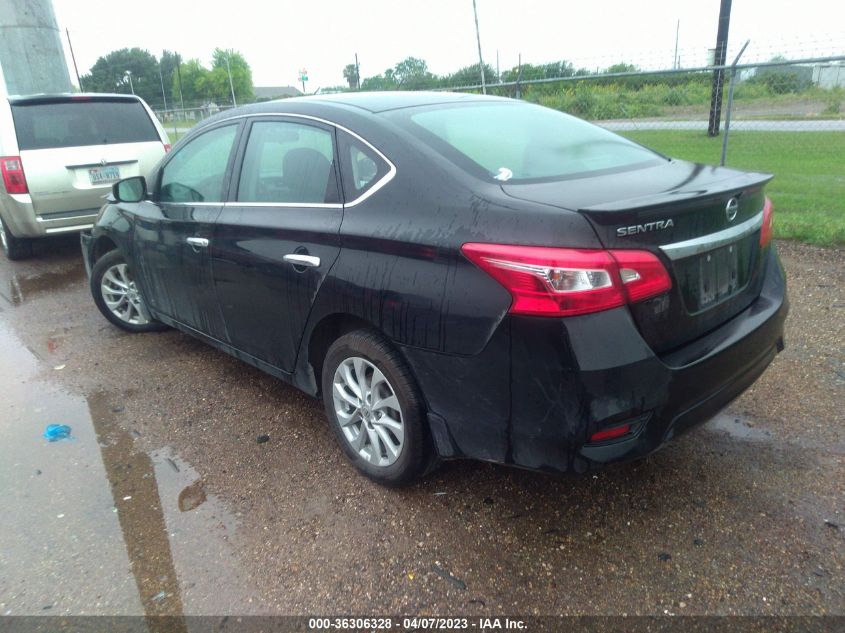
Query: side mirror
[(130, 189)]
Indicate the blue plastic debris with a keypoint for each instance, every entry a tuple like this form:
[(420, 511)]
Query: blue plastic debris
[(56, 432)]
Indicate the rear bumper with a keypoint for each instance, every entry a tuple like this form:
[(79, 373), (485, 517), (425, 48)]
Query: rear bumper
[(19, 215), (569, 378)]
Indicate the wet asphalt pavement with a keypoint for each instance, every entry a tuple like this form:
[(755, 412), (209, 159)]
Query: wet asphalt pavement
[(164, 502)]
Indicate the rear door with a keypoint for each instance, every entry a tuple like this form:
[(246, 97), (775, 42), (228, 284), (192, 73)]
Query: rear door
[(74, 148), (277, 238), (172, 233)]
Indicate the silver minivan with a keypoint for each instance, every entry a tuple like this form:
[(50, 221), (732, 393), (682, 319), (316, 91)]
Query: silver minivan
[(60, 155)]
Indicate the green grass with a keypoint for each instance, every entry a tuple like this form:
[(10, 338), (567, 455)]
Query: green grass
[(808, 190)]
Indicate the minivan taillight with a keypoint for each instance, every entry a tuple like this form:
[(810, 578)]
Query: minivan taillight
[(546, 281), (767, 231), (166, 147), (13, 176)]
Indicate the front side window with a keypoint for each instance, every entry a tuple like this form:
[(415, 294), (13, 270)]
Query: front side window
[(287, 162), (521, 142), (197, 171)]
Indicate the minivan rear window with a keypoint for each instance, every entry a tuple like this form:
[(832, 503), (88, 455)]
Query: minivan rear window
[(76, 123), (520, 142)]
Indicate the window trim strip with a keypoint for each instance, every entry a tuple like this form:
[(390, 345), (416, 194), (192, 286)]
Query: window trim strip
[(391, 172)]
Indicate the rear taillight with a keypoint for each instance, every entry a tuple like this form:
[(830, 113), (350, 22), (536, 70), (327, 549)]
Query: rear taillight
[(547, 281), (13, 176), (166, 147), (767, 231), (611, 433)]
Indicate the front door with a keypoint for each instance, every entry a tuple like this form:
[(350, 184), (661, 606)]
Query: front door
[(277, 237), (173, 232)]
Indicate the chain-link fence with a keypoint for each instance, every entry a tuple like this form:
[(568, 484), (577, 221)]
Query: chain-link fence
[(785, 117)]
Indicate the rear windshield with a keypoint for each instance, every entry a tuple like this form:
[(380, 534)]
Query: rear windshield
[(521, 142), (77, 123)]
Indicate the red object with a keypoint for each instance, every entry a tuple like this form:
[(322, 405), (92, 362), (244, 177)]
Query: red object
[(546, 281), (767, 231), (166, 147), (13, 177), (611, 433)]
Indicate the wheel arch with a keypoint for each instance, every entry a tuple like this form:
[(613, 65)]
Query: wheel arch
[(103, 244), (325, 332)]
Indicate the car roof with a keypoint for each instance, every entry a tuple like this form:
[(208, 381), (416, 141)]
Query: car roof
[(59, 97), (382, 101)]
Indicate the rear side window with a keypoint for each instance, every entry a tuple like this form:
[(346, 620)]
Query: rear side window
[(362, 167), (197, 170), (288, 162), (80, 123)]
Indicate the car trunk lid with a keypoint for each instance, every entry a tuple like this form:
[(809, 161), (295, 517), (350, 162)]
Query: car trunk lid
[(77, 178), (704, 224)]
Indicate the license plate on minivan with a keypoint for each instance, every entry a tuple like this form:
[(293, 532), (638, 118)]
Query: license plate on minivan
[(103, 175)]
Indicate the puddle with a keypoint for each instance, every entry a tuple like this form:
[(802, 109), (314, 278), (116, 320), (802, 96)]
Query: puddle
[(98, 525), (738, 426), (22, 288)]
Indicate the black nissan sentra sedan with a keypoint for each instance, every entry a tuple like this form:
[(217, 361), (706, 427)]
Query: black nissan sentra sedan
[(455, 275)]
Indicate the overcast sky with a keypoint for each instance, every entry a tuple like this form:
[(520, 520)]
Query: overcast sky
[(278, 38)]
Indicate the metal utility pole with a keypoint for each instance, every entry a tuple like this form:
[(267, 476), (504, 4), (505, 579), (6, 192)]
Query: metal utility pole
[(73, 57), (519, 77), (231, 85), (719, 74), (677, 32), (179, 77), (161, 79), (480, 60), (731, 103), (131, 86), (357, 72)]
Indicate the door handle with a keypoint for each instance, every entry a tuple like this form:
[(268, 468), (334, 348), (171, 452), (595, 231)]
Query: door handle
[(296, 259), (197, 242)]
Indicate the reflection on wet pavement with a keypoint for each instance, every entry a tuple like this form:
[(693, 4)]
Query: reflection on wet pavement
[(192, 496), (22, 287), (99, 525), (738, 427)]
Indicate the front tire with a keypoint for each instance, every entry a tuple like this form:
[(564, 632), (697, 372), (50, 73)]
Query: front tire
[(14, 247), (117, 296), (375, 409)]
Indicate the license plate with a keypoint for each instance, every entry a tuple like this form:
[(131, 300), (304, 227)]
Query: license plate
[(103, 175), (718, 275)]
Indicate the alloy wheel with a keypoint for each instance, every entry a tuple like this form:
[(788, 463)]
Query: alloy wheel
[(122, 296), (368, 411)]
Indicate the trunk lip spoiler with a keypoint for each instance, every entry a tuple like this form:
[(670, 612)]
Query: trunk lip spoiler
[(711, 241)]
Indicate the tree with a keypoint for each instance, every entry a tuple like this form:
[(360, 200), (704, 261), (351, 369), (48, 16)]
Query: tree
[(470, 76), (350, 74), (168, 63), (412, 74), (241, 77), (380, 82), (195, 88), (111, 73)]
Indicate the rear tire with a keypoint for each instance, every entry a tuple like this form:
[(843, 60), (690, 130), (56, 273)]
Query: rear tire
[(375, 409), (14, 247), (117, 296)]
